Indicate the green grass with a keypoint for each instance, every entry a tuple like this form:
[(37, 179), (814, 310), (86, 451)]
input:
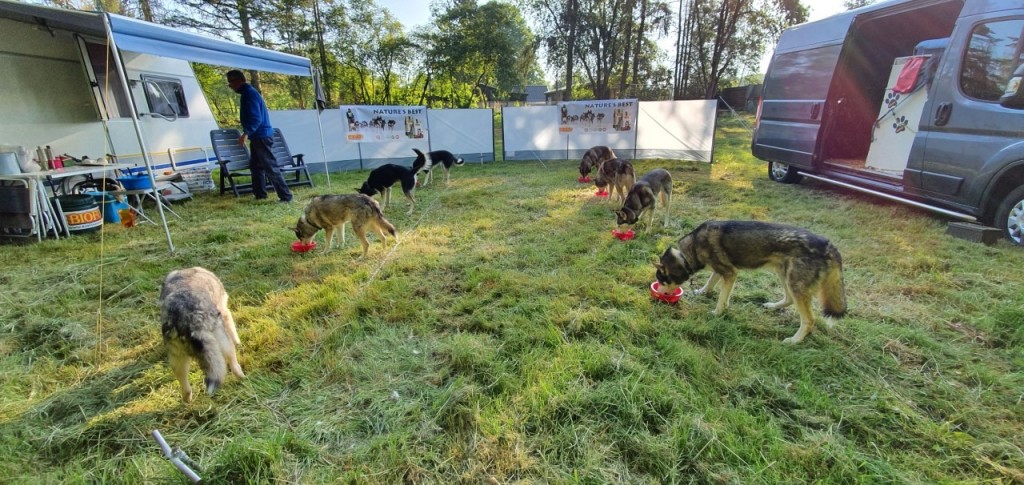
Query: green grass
[(509, 338)]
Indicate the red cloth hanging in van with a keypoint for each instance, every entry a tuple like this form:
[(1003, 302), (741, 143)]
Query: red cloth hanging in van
[(908, 75)]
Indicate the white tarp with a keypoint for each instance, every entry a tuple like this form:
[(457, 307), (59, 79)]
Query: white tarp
[(681, 130), (531, 133), (300, 131), (468, 133)]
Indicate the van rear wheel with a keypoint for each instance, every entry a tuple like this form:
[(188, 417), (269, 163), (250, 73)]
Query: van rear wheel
[(1010, 216), (782, 173)]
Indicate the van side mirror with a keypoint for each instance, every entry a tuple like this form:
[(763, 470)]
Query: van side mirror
[(1013, 97)]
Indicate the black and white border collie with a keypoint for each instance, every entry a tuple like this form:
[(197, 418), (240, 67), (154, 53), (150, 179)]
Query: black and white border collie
[(425, 161), (382, 178)]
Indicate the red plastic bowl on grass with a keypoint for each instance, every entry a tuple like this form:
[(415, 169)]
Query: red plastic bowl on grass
[(601, 193), (299, 247), (583, 180), (665, 297), (623, 235)]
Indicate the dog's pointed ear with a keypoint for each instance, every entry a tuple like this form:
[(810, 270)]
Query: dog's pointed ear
[(676, 254)]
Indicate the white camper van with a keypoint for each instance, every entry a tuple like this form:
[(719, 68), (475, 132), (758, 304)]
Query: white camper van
[(60, 84)]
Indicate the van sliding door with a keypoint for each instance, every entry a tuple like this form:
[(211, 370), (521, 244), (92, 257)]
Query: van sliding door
[(794, 97)]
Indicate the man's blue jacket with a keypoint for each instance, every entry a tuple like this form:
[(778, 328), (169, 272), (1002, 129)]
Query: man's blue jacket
[(254, 114)]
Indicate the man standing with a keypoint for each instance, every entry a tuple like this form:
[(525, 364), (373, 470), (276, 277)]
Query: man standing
[(256, 127)]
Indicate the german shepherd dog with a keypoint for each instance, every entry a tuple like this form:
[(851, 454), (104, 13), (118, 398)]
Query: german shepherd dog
[(425, 161), (383, 177), (594, 157), (617, 174), (805, 262), (196, 324), (641, 198), (331, 212)]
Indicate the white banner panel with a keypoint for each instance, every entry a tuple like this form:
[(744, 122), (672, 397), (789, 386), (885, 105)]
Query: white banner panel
[(597, 117), (468, 133), (531, 133), (681, 130), (384, 124), (302, 134)]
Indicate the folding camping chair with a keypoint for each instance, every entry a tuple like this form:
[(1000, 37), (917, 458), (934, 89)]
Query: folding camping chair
[(234, 161), (289, 163)]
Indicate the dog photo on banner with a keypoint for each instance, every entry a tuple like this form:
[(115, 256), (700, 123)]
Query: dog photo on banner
[(608, 116), (378, 124)]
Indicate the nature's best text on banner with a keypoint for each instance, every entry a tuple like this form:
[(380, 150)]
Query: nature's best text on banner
[(383, 124), (597, 116)]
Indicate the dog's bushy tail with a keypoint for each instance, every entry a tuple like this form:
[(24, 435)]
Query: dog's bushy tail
[(832, 296), (383, 222), (212, 362)]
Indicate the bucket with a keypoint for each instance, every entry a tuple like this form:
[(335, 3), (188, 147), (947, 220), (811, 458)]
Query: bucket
[(9, 163), (136, 182), (111, 207), (80, 213)]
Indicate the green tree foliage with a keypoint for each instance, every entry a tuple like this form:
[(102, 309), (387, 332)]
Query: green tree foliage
[(375, 50), (719, 38), (468, 45), (612, 41), (852, 4)]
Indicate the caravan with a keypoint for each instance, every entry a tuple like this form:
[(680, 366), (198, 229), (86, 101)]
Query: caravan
[(93, 83), (917, 101), (61, 84)]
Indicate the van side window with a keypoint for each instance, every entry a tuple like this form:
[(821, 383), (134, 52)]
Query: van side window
[(993, 53), (165, 96), (798, 75)]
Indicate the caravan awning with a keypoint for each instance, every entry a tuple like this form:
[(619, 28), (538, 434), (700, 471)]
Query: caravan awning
[(147, 38), (143, 37)]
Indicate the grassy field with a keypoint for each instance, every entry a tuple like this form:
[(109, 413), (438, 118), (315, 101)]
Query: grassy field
[(508, 338)]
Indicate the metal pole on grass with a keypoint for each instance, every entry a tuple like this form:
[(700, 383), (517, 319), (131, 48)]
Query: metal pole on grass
[(138, 128), (318, 94)]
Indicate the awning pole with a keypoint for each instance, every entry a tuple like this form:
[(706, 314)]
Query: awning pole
[(317, 93), (138, 128)]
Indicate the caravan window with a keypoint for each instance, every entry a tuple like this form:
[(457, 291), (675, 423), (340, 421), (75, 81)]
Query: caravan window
[(165, 96), (993, 54)]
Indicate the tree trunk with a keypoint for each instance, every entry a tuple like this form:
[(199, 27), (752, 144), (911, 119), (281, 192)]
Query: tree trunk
[(244, 20), (639, 43), (147, 10), (324, 68), (626, 52), (572, 22)]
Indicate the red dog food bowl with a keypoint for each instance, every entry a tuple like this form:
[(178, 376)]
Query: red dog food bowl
[(601, 193), (623, 235), (665, 297), (299, 247), (583, 180)]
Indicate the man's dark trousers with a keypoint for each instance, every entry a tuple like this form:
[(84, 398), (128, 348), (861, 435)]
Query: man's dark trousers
[(263, 165)]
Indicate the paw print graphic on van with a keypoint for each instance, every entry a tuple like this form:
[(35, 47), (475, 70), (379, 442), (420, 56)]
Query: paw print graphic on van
[(900, 125), (891, 100)]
